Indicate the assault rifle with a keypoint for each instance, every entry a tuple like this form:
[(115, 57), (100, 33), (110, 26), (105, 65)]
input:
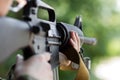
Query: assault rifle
[(35, 35)]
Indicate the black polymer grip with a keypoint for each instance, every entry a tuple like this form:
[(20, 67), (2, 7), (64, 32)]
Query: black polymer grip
[(27, 52)]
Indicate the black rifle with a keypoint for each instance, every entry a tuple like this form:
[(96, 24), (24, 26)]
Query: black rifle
[(56, 35)]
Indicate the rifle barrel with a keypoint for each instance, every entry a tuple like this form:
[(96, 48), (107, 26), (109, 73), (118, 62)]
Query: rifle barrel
[(88, 40)]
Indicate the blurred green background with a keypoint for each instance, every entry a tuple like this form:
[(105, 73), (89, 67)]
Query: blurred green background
[(101, 19)]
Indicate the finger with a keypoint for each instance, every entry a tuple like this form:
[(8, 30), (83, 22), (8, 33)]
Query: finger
[(72, 43), (22, 2), (67, 63), (72, 35), (19, 59), (45, 56), (78, 40), (63, 59)]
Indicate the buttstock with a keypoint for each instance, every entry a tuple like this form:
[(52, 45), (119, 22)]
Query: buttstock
[(14, 34)]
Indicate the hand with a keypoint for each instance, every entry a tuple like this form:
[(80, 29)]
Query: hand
[(22, 2), (37, 67), (63, 60), (75, 41)]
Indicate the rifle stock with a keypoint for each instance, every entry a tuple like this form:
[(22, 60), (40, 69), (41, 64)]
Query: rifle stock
[(14, 34)]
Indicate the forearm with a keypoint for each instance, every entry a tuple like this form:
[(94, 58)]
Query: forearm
[(82, 71)]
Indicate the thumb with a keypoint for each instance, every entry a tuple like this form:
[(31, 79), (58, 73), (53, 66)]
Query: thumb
[(19, 58)]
